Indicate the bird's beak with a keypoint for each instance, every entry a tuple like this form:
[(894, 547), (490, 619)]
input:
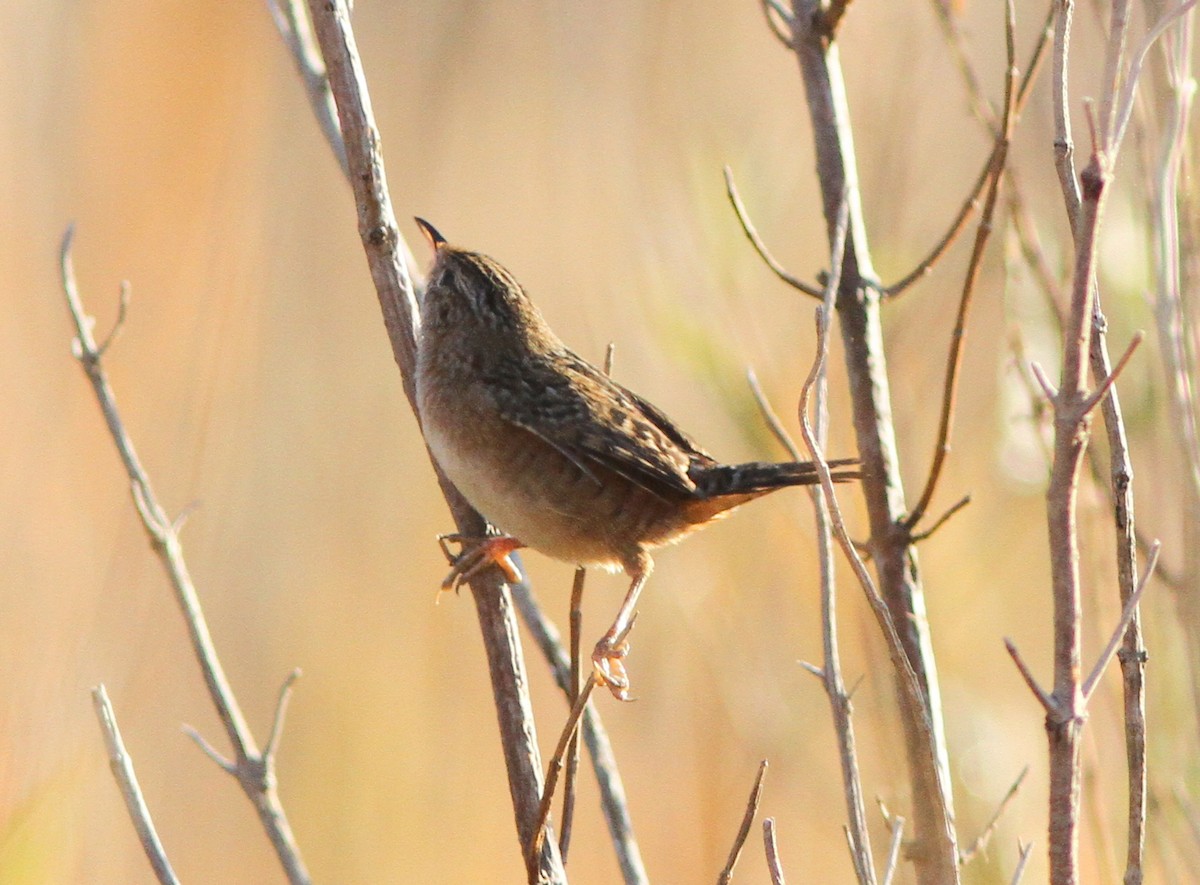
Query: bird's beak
[(436, 240)]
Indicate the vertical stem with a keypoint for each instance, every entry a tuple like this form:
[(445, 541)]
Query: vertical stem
[(934, 850)]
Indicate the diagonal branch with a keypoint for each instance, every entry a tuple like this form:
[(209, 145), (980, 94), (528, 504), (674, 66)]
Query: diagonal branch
[(385, 252), (135, 803), (254, 770), (971, 279)]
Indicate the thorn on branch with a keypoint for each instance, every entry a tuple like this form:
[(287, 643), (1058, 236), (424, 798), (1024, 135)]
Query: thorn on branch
[(813, 669), (1025, 851)]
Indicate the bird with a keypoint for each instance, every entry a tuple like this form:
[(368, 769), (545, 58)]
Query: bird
[(555, 454)]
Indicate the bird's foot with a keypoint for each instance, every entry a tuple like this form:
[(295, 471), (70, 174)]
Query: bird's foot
[(608, 660), (476, 555)]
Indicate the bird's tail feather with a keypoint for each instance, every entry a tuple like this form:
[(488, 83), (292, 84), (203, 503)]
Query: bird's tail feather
[(760, 476)]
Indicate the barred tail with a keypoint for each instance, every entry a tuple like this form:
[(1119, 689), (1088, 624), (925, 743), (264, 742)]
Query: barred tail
[(759, 476)]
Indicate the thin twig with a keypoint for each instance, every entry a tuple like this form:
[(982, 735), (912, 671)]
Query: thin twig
[(771, 417), (1106, 385), (576, 622), (1118, 633), (971, 203), (744, 829), (985, 835), (857, 833), (254, 770), (760, 247), (777, 17), (1048, 703), (893, 861), (942, 520), (774, 865), (1025, 851), (135, 804), (291, 20), (604, 763), (396, 287), (971, 278), (281, 706), (533, 852)]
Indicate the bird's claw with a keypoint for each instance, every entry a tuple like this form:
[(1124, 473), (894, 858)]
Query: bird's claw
[(476, 555), (608, 661)]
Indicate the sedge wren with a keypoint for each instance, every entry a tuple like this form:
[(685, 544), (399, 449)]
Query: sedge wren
[(551, 451)]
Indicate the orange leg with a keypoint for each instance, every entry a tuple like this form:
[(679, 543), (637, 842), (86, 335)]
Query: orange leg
[(608, 659), (477, 554)]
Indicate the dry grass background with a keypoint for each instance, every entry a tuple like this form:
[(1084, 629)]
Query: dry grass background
[(582, 146)]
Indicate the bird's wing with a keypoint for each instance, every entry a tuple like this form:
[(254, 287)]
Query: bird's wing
[(594, 421)]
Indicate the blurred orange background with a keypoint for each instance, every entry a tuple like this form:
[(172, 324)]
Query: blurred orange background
[(582, 146)]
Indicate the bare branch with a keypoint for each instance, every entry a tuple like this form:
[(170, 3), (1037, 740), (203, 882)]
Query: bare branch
[(252, 769), (135, 804), (744, 830), (1106, 385), (534, 851), (1048, 703), (1025, 851), (387, 259), (985, 835), (576, 622), (943, 519), (779, 21), (604, 763), (774, 866), (756, 241), (893, 861), (971, 278), (1118, 633), (210, 751), (281, 706), (771, 417), (971, 204)]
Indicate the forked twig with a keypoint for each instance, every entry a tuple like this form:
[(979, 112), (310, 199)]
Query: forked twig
[(254, 770), (971, 204)]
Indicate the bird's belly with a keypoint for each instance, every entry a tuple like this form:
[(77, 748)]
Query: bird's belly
[(530, 491)]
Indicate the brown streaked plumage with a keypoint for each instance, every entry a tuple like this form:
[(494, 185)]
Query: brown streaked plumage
[(553, 452)]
